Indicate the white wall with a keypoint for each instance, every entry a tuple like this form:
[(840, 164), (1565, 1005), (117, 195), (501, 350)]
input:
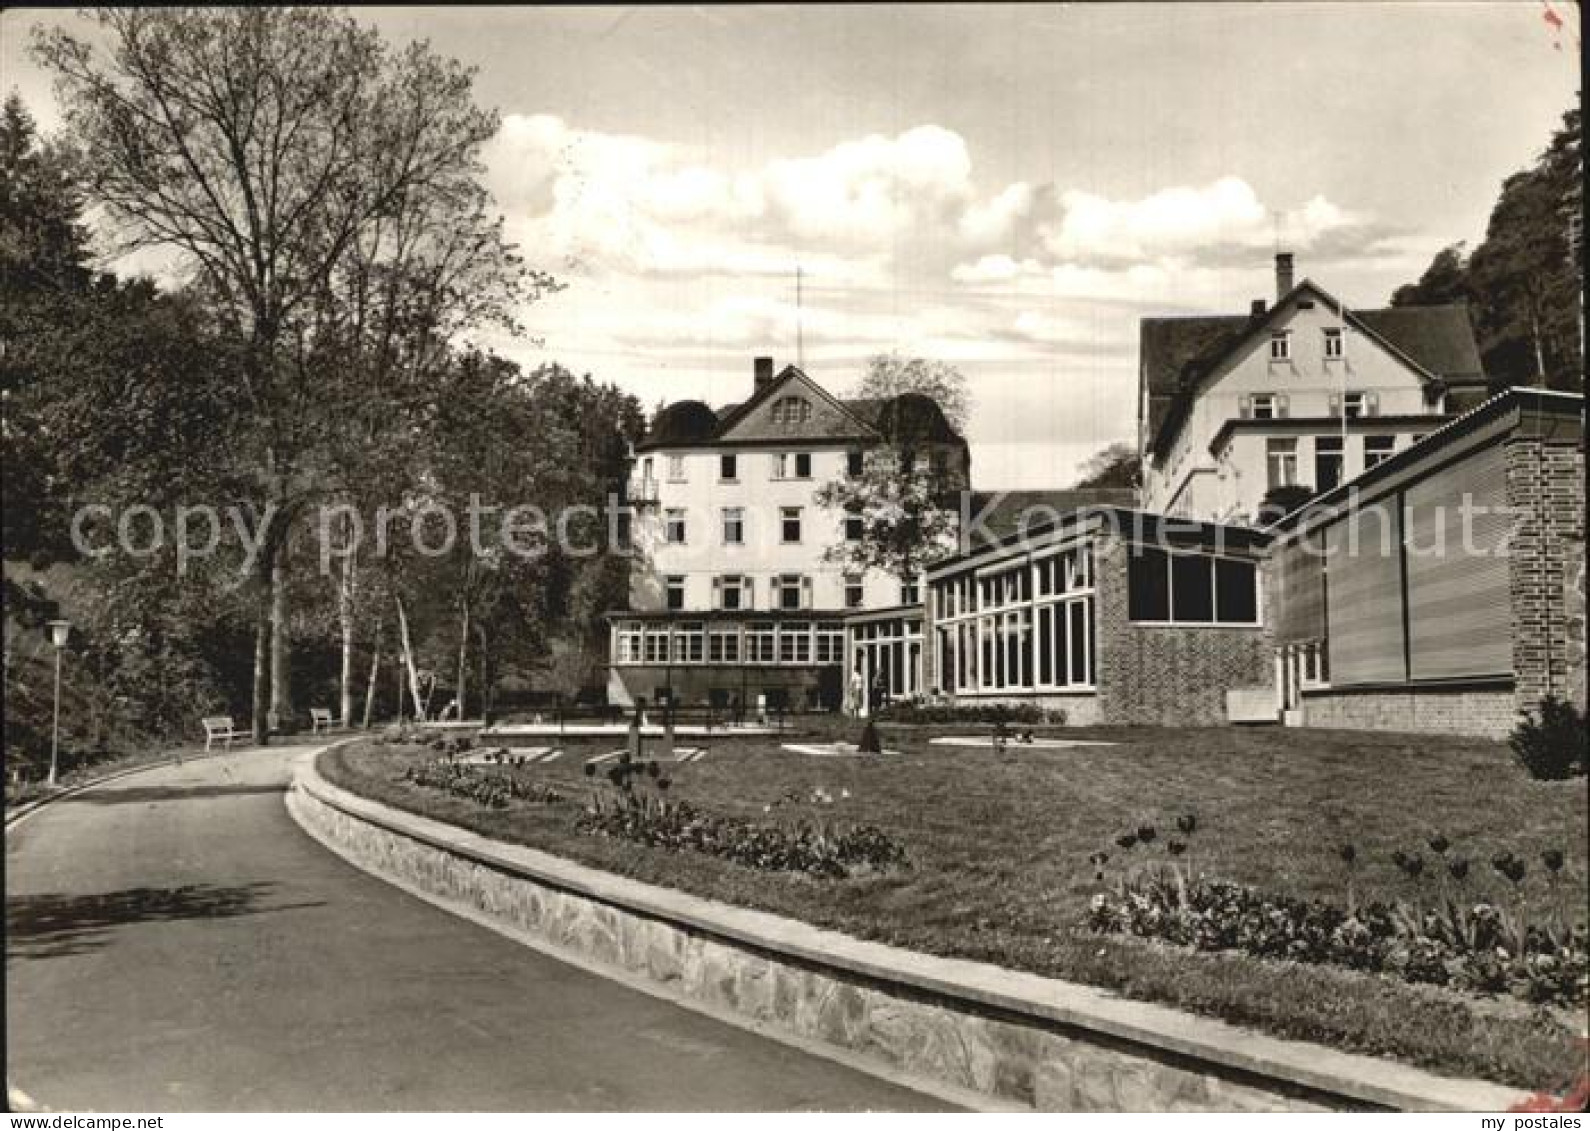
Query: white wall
[(1188, 480), (703, 496)]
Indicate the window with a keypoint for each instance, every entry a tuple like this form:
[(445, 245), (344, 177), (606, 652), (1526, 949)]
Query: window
[(795, 644), (676, 469), (854, 527), (629, 638), (790, 591), (1280, 457), (656, 650), (1265, 406), (796, 465), (733, 591), (689, 642), (760, 642), (1335, 343), (674, 587), (733, 526), (645, 468), (789, 524), (1190, 588), (1327, 462), (788, 411), (1281, 345), (674, 526), (1378, 449), (1354, 405), (723, 646), (830, 643), (910, 593), (729, 468), (855, 462), (854, 593)]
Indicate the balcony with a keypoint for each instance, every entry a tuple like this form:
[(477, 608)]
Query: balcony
[(641, 490)]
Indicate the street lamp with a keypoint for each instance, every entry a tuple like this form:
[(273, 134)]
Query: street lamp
[(59, 631)]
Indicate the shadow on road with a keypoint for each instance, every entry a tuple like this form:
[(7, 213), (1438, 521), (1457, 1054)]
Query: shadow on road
[(131, 795), (53, 926)]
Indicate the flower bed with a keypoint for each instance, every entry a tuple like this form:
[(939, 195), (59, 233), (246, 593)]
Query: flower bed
[(998, 843), (492, 789), (1477, 947)]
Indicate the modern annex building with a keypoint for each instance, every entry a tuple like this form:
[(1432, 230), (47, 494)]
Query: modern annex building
[(1444, 589), (731, 600), (1109, 614), (1304, 392)]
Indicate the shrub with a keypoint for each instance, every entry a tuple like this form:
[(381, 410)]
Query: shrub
[(1551, 744)]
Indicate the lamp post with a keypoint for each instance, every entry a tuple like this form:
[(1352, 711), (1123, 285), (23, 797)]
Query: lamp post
[(59, 631)]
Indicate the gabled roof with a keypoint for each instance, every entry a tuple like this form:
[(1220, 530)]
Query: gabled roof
[(908, 416), (787, 376), (1176, 354)]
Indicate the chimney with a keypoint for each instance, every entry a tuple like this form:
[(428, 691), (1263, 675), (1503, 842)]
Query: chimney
[(763, 369), (1283, 273), (1257, 309)]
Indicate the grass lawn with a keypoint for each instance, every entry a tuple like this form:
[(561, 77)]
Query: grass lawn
[(998, 844)]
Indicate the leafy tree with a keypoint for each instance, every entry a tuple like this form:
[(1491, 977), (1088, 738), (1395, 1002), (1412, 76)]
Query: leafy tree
[(1523, 280), (1445, 280), (278, 149), (889, 375), (908, 506), (1117, 465)]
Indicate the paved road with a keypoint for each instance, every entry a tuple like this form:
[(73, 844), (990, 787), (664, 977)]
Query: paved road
[(176, 942)]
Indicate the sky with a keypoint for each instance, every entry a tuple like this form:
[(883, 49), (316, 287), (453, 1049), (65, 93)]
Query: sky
[(1005, 188)]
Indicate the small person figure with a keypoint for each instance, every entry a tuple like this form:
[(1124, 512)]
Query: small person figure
[(858, 691)]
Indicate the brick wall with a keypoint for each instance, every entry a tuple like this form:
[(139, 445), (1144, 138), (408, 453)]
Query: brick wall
[(1545, 489), (1487, 713), (1167, 676)]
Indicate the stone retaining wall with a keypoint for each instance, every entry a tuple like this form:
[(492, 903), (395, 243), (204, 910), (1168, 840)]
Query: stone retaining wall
[(1013, 1037)]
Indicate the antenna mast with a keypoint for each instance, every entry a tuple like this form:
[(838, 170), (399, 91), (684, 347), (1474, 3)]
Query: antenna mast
[(800, 338)]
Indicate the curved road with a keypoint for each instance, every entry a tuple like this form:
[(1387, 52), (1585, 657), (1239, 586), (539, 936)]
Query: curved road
[(175, 942)]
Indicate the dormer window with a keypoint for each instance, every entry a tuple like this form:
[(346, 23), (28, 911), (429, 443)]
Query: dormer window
[(789, 411), (1281, 345), (1335, 344)]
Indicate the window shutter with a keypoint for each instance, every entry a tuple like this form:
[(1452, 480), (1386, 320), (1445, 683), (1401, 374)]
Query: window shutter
[(717, 592), (1281, 403), (1371, 404), (1336, 404), (806, 592), (1245, 406)]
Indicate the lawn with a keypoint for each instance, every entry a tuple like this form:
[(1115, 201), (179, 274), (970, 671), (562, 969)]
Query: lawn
[(998, 844)]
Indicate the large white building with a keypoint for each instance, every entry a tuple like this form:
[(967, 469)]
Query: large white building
[(1303, 392), (731, 600)]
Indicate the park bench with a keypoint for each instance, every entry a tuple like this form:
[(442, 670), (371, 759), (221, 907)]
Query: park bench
[(222, 727), (322, 718)]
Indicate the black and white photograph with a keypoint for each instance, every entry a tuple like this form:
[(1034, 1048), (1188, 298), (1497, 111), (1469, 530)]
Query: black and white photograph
[(831, 559)]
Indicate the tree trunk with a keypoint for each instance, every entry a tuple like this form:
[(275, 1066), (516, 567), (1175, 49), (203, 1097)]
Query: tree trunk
[(485, 676), (281, 709), (345, 596), (408, 661), (463, 658), (375, 670), (262, 678), (1534, 333)]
